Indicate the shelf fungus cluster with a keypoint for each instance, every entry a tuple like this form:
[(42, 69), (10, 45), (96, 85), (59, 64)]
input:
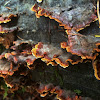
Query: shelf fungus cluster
[(73, 19), (15, 65), (61, 94), (40, 91), (6, 31), (17, 61), (21, 54)]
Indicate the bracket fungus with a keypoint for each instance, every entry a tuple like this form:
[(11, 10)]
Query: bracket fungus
[(21, 54), (46, 91), (18, 60), (6, 18), (81, 45), (73, 19), (5, 68), (7, 35), (96, 66), (48, 54), (61, 94)]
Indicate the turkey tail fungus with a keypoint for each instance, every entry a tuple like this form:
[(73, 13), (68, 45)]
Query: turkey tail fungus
[(7, 34), (32, 54), (48, 54), (73, 21), (70, 18)]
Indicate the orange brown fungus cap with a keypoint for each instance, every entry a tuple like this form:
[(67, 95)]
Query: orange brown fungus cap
[(6, 19), (12, 60), (81, 45), (49, 53), (34, 8), (5, 68), (63, 45), (14, 82), (96, 66), (7, 39), (42, 51), (61, 94), (25, 55), (68, 17), (21, 54)]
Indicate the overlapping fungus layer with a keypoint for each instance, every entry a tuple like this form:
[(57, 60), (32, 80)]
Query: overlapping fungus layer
[(73, 19), (49, 54), (39, 90), (5, 38), (61, 94), (23, 54), (81, 45)]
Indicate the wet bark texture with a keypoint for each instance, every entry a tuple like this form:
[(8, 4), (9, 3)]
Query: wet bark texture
[(74, 77)]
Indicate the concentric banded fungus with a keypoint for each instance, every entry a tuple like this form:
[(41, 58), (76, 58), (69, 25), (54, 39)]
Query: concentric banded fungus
[(7, 68), (14, 81), (7, 39), (48, 54), (43, 91), (81, 45), (73, 17), (5, 19), (61, 94), (96, 66), (21, 54), (20, 78)]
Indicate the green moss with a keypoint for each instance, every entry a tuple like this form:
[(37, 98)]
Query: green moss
[(78, 92), (22, 90), (57, 75), (4, 87)]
